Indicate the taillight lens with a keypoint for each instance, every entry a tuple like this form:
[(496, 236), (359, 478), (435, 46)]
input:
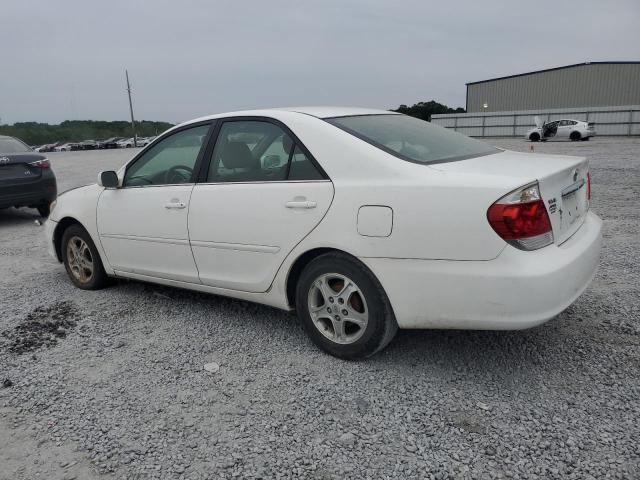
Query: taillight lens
[(521, 218), (44, 163)]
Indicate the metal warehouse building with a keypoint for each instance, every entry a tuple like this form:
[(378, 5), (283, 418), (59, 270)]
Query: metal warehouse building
[(591, 84), (607, 93)]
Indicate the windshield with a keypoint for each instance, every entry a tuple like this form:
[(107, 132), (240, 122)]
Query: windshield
[(12, 145), (412, 139)]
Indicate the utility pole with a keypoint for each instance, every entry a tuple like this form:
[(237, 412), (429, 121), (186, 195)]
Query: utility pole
[(133, 122)]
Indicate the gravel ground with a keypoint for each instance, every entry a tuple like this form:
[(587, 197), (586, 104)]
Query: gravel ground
[(111, 384)]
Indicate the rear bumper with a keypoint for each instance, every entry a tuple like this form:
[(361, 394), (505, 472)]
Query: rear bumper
[(44, 190), (516, 290)]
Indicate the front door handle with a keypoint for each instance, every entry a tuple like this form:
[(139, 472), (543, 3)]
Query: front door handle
[(175, 205), (300, 204)]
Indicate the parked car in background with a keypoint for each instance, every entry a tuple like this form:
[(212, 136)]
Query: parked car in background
[(67, 147), (109, 142), (125, 143), (26, 178), (364, 221), (143, 141), (565, 129), (88, 145), (50, 147)]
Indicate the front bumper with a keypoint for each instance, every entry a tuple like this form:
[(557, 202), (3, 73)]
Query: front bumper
[(516, 290), (49, 229)]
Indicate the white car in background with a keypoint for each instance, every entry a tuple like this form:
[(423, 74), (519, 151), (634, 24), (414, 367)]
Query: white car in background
[(125, 143), (363, 221), (144, 141), (565, 129), (67, 147)]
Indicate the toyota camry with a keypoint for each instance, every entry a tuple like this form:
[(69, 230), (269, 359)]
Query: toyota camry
[(363, 221)]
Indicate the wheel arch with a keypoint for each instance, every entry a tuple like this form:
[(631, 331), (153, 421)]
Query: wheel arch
[(307, 257), (63, 224)]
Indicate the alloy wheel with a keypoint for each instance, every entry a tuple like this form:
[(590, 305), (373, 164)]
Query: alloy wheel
[(80, 259), (338, 308)]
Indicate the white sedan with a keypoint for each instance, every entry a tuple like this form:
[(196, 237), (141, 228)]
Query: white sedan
[(565, 129), (363, 221)]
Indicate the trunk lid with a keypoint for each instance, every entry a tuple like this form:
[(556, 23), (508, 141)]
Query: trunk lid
[(15, 168), (562, 181)]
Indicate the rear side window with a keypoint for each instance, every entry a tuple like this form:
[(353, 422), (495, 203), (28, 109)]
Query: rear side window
[(257, 151), (412, 139), (12, 145), (302, 168)]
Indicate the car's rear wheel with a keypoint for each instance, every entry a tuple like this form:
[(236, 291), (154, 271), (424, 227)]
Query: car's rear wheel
[(343, 307), (575, 136), (81, 259), (534, 137)]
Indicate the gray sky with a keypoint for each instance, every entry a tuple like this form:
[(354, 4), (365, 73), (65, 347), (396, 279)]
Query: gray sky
[(65, 59)]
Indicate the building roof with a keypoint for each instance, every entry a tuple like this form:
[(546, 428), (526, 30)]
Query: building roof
[(551, 70)]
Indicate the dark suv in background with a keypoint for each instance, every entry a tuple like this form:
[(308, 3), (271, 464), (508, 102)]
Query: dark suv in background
[(26, 178)]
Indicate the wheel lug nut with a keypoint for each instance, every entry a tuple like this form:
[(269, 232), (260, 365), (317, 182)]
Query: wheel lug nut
[(331, 300), (340, 301), (344, 312), (337, 317), (329, 309)]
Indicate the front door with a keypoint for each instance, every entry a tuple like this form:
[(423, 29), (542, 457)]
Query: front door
[(143, 224), (262, 194)]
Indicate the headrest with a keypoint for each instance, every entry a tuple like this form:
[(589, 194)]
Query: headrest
[(237, 155)]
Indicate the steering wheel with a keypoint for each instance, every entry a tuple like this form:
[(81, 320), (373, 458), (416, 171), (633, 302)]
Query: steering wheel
[(178, 174)]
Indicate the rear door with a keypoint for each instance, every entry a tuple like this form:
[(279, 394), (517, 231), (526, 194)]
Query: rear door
[(565, 127), (143, 224), (261, 193)]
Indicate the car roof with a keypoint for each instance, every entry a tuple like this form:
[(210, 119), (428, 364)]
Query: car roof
[(318, 112)]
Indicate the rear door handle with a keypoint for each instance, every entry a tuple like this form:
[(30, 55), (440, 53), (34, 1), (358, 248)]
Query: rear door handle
[(300, 204), (175, 205)]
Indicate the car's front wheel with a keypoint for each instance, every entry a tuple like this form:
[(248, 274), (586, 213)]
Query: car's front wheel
[(343, 307), (534, 137), (81, 259), (575, 136)]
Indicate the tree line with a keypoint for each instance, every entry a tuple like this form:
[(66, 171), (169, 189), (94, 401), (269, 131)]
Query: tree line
[(34, 133), (424, 110)]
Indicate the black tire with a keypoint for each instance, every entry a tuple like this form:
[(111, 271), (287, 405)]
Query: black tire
[(44, 210), (534, 137), (98, 278), (585, 139), (381, 324), (575, 136)]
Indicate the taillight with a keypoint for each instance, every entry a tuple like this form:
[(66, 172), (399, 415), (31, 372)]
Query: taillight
[(521, 219), (44, 163), (589, 186)]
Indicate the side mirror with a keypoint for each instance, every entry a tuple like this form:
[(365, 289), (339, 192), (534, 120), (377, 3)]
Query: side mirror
[(108, 179)]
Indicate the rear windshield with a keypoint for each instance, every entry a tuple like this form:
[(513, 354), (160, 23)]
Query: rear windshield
[(412, 139), (12, 145)]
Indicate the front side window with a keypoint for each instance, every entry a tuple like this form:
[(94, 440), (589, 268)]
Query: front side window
[(169, 162), (412, 139), (256, 151)]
